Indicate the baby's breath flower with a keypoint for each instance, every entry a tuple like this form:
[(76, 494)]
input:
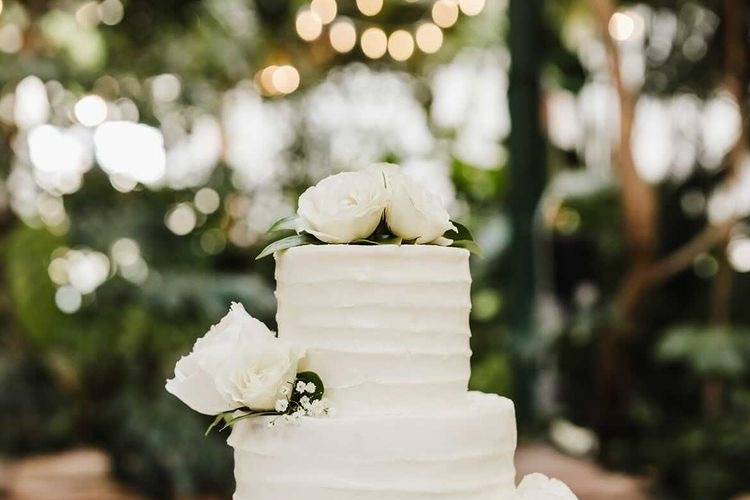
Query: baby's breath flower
[(310, 387), (301, 387), (282, 405)]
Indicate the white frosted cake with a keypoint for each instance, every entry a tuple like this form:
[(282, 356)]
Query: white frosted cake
[(387, 328), (373, 291)]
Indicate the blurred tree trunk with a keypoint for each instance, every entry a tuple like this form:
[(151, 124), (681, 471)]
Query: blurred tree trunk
[(736, 83), (527, 179), (640, 216)]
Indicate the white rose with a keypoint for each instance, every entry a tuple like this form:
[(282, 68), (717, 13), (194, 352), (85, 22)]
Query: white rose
[(239, 362), (413, 212), (343, 207), (540, 487)]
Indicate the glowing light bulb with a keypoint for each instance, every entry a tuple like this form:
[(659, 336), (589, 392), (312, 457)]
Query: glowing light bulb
[(445, 13), (400, 45), (309, 25), (370, 7), (429, 38), (285, 79), (374, 43), (471, 7), (343, 36), (325, 9)]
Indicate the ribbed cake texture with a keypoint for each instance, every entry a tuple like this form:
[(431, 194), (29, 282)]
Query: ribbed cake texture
[(387, 329)]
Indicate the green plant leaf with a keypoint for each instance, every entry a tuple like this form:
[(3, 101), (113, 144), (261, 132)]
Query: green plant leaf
[(219, 418), (290, 241), (469, 245), (308, 377), (389, 240), (462, 233), (290, 223)]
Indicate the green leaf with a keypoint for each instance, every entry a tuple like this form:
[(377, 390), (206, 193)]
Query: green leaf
[(308, 377), (462, 233), (284, 243), (290, 223), (469, 245), (219, 418), (390, 240)]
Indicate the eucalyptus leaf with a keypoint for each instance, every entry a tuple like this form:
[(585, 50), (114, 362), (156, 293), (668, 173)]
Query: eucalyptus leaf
[(289, 242)]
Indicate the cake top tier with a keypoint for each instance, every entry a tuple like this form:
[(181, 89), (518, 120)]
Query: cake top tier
[(386, 327), (375, 263)]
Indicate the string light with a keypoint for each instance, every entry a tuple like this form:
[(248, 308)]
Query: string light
[(429, 38), (266, 80), (309, 25), (343, 36), (374, 43), (285, 79), (325, 9), (445, 13), (370, 7), (400, 45), (471, 7), (276, 80)]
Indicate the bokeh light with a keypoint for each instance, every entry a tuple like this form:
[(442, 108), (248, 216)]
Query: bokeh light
[(343, 36), (125, 252), (325, 9), (445, 13), (738, 252), (207, 200), (165, 88), (68, 299), (400, 45), (285, 79), (309, 25), (370, 7), (374, 43), (471, 7), (181, 219), (111, 12), (131, 150), (429, 38), (11, 38), (90, 110), (31, 105)]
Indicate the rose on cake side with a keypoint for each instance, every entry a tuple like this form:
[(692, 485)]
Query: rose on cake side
[(239, 369), (374, 206), (537, 486)]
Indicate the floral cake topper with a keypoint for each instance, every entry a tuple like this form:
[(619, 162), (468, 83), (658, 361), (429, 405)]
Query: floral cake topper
[(375, 206)]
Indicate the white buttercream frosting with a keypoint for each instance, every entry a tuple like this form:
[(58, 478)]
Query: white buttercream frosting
[(386, 327), (462, 453)]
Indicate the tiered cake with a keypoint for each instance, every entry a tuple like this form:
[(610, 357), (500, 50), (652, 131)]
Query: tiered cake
[(387, 329)]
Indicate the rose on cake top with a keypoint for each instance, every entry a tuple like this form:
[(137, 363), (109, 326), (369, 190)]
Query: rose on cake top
[(377, 205)]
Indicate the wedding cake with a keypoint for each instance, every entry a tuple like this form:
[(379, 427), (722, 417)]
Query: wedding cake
[(374, 326)]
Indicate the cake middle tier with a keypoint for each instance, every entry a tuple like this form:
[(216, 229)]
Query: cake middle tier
[(386, 327)]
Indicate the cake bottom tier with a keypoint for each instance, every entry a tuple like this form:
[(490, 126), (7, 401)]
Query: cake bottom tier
[(461, 453)]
